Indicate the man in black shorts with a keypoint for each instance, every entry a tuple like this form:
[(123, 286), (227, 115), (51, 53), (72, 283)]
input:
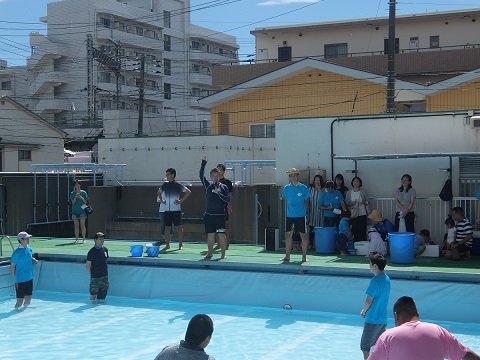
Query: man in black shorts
[(217, 199), (21, 266), (97, 267), (170, 202), (228, 207)]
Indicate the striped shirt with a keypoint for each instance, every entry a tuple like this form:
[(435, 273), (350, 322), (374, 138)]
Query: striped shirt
[(464, 228)]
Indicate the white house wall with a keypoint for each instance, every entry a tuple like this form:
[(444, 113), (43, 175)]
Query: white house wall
[(148, 158), (305, 144)]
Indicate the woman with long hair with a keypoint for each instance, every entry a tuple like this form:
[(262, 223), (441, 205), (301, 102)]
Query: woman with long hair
[(314, 215), (405, 197), (340, 185)]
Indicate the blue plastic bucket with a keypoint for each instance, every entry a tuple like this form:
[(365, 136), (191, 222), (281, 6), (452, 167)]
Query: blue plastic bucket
[(152, 250), (326, 240), (136, 250), (402, 247)]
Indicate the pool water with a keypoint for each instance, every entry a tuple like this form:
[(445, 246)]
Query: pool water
[(67, 326)]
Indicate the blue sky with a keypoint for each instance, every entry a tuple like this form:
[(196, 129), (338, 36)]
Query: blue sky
[(235, 17)]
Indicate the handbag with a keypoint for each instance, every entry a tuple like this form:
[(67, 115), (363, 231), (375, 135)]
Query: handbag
[(88, 209), (354, 210)]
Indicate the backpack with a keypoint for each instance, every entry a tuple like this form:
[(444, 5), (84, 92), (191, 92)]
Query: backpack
[(446, 194)]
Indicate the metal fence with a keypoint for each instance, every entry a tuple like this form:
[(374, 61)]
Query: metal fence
[(430, 213)]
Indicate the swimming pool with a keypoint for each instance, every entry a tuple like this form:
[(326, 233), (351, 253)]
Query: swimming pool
[(68, 326), (149, 308)]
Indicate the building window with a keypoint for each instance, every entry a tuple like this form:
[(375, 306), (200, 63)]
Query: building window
[(152, 109), (167, 42), (151, 84), (434, 41), (105, 22), (195, 45), (122, 26), (336, 50), (24, 154), (7, 85), (385, 46), (262, 130), (413, 44), (167, 66), (105, 77), (285, 53), (196, 92), (139, 30), (167, 91), (106, 104), (195, 68), (167, 19)]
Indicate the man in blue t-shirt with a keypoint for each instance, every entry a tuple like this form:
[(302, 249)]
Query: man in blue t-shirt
[(375, 309), (21, 266), (296, 196)]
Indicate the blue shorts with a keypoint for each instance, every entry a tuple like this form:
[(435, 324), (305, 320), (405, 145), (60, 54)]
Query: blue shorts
[(78, 216)]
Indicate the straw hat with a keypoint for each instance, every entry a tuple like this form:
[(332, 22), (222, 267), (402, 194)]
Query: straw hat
[(293, 171), (376, 215)]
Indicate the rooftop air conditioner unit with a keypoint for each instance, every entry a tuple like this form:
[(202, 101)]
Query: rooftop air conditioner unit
[(475, 122)]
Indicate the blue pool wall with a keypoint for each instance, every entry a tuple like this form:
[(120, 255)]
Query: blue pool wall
[(329, 293)]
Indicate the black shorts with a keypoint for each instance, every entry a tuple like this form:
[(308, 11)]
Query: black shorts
[(214, 223), (24, 289), (295, 224), (173, 217), (463, 248)]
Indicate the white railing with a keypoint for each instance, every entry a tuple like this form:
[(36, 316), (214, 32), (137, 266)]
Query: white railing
[(430, 213)]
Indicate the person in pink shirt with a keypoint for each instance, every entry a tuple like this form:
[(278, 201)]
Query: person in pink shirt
[(415, 340)]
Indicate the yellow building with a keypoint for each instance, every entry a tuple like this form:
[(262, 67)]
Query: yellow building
[(315, 88)]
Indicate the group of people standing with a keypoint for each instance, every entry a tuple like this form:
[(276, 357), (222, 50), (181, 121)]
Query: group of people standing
[(218, 192), (326, 203)]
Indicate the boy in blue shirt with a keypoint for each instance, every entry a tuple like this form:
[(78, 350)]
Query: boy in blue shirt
[(296, 196), (21, 266), (375, 309), (345, 236)]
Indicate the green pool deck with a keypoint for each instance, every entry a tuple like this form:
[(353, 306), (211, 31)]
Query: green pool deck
[(251, 258)]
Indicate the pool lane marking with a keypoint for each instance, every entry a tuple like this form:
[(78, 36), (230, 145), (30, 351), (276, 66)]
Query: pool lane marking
[(56, 337), (173, 340), (281, 350)]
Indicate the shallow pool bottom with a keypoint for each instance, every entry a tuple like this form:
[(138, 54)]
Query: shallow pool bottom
[(67, 326)]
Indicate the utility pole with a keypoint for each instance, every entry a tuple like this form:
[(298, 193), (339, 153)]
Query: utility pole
[(391, 59), (90, 90), (141, 95), (113, 64)]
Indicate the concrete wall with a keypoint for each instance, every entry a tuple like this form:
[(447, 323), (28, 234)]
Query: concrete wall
[(437, 133), (148, 158)]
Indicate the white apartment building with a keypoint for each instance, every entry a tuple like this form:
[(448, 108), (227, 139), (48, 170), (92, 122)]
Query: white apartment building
[(62, 87), (413, 33)]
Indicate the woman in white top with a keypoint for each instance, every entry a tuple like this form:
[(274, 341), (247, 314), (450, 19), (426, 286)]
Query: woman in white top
[(314, 215), (405, 197), (357, 202)]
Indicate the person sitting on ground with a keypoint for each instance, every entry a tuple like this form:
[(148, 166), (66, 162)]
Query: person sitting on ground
[(419, 246), (383, 226), (450, 236), (345, 236), (415, 340), (426, 235), (198, 336), (464, 241), (377, 246)]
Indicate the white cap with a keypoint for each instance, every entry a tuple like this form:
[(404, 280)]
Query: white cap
[(23, 235)]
